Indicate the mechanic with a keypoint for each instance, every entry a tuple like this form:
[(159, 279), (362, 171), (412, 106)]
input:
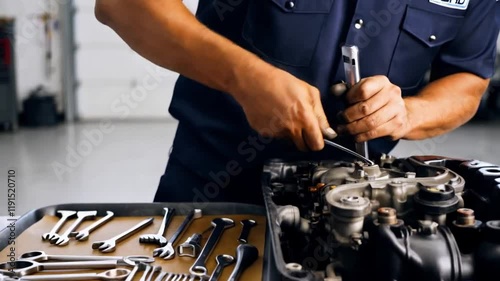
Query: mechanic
[(256, 74)]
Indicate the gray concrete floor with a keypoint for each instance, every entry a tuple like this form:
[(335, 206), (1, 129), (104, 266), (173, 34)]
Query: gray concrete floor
[(76, 163)]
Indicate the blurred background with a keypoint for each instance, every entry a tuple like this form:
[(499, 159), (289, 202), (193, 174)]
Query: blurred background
[(83, 118)]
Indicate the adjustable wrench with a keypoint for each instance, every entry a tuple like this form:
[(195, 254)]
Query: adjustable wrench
[(84, 234), (220, 224), (168, 252), (63, 240), (158, 237), (107, 246), (65, 215)]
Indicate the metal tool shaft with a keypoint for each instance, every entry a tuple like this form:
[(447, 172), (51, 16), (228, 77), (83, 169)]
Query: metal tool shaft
[(345, 149), (350, 56)]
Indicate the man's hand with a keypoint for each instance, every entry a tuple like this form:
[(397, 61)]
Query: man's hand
[(376, 109), (283, 106)]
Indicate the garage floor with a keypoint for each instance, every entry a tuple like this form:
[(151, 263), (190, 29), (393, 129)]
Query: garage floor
[(122, 162)]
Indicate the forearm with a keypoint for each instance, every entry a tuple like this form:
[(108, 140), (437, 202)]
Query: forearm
[(444, 105), (166, 33)]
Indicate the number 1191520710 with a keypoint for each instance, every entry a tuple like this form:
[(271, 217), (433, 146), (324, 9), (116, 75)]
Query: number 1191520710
[(11, 192)]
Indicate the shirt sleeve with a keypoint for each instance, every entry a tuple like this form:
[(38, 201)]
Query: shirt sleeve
[(474, 48)]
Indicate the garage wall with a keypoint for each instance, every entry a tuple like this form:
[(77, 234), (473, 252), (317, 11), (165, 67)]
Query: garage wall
[(30, 46), (114, 81)]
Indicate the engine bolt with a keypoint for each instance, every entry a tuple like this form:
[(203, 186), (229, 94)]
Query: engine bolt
[(387, 216), (318, 187), (465, 217)]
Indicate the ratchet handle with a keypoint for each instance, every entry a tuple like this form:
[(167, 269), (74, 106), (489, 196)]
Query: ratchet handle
[(133, 230), (79, 265)]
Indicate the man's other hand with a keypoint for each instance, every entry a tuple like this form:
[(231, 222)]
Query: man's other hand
[(375, 109)]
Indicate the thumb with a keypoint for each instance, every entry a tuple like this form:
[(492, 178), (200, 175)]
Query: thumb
[(326, 130), (339, 89)]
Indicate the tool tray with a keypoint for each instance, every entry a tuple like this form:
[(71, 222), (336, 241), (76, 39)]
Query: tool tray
[(30, 227)]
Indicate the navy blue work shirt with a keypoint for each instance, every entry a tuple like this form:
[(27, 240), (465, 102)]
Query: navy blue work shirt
[(401, 39)]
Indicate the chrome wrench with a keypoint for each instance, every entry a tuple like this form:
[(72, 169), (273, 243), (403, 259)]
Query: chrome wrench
[(345, 149), (246, 255), (65, 215), (112, 274), (222, 262), (190, 248), (138, 267), (245, 231), (84, 234), (107, 246), (63, 240), (168, 252), (158, 237), (350, 56), (199, 267)]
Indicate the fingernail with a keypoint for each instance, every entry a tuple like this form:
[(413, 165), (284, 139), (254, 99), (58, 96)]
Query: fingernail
[(330, 133)]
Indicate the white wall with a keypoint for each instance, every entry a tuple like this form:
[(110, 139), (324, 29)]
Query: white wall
[(30, 46), (115, 82)]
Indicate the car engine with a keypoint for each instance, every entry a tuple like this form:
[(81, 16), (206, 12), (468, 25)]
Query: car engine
[(417, 218)]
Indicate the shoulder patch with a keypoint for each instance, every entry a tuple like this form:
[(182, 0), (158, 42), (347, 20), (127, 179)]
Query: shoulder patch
[(452, 4)]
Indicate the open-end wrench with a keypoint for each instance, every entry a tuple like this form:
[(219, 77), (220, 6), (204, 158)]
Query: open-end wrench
[(109, 245), (63, 240), (245, 231), (160, 276), (84, 234), (168, 252), (220, 224), (158, 237), (190, 248), (154, 270), (146, 272), (65, 215), (138, 267), (222, 262), (245, 255)]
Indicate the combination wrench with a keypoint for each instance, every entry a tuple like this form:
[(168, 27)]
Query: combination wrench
[(65, 215), (246, 255), (63, 240), (84, 234), (158, 237), (107, 246), (199, 267), (168, 252), (245, 231), (222, 262)]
